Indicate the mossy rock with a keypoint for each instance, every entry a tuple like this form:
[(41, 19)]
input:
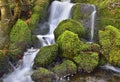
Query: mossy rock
[(109, 39), (65, 68), (69, 44), (4, 65), (20, 38), (43, 75), (46, 55), (70, 25), (87, 61)]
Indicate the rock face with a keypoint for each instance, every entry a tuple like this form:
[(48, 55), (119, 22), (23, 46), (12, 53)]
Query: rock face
[(43, 75), (87, 61), (109, 39), (20, 38), (69, 44), (70, 25), (46, 55), (107, 12), (65, 68)]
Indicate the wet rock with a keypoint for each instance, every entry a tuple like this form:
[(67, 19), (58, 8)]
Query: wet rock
[(46, 55), (43, 75), (69, 44), (87, 61), (71, 25), (65, 68), (109, 39), (20, 39)]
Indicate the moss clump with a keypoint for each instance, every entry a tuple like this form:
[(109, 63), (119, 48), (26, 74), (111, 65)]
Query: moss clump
[(67, 67), (87, 62), (20, 38), (46, 55), (43, 75), (70, 25), (109, 39), (69, 44)]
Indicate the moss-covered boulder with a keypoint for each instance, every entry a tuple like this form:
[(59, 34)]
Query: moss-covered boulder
[(69, 44), (65, 68), (39, 12), (109, 39), (20, 38), (70, 25), (87, 61), (46, 55), (43, 75), (4, 65)]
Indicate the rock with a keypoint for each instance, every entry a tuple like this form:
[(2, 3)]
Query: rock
[(82, 13), (69, 44), (4, 65), (70, 25), (46, 55), (87, 61), (65, 68), (20, 39), (43, 75), (109, 39)]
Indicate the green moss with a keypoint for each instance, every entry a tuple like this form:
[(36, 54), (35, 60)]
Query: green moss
[(20, 38), (67, 67), (87, 62), (70, 25), (46, 55), (109, 39), (43, 75), (69, 44)]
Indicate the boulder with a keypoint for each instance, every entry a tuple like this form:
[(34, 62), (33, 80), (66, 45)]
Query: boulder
[(66, 68), (71, 25), (109, 39), (43, 75), (20, 39), (87, 61), (69, 44), (46, 55)]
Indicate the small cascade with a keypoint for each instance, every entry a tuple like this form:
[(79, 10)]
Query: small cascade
[(58, 11), (92, 23), (112, 68), (23, 72)]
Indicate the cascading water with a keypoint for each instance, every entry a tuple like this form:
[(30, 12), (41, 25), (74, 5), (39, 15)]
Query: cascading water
[(59, 11), (92, 23)]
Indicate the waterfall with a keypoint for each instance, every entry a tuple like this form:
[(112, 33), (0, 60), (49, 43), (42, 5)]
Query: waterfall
[(23, 71), (59, 11), (92, 23)]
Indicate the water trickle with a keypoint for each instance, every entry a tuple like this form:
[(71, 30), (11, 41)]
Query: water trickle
[(59, 11), (92, 23)]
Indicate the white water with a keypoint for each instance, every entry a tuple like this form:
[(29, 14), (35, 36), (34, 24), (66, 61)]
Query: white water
[(92, 22), (59, 11), (112, 68), (23, 72)]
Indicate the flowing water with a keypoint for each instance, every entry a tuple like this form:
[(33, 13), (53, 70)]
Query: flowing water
[(92, 23), (59, 11)]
